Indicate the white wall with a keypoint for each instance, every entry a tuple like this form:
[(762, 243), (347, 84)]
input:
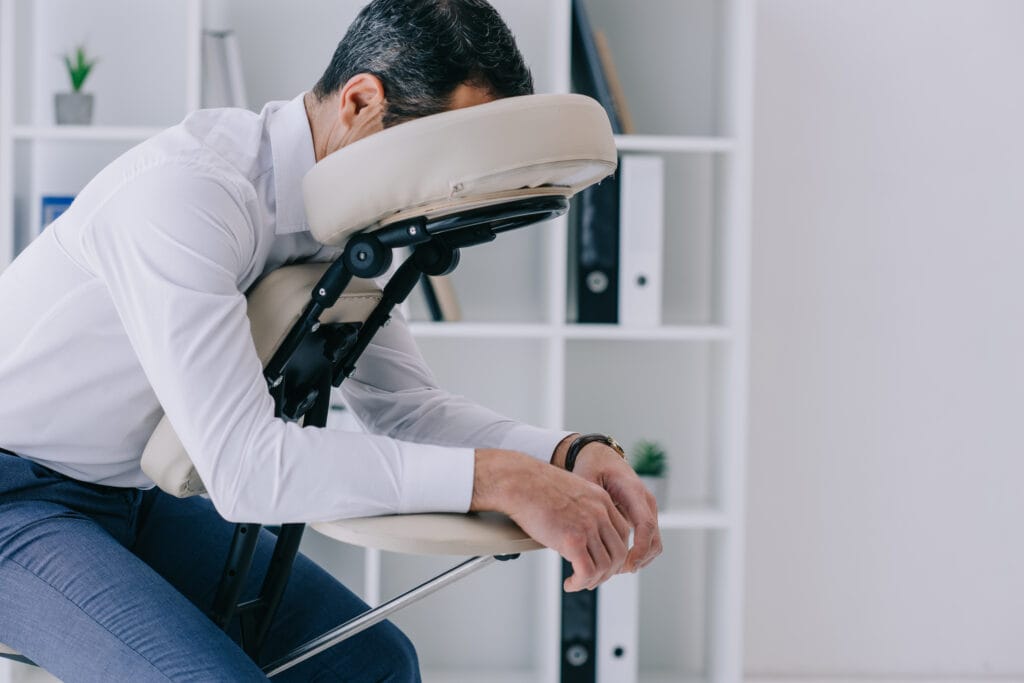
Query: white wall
[(887, 476)]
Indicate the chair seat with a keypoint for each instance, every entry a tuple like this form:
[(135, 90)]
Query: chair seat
[(484, 533)]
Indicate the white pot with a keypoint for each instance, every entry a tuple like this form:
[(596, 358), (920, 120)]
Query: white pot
[(658, 486)]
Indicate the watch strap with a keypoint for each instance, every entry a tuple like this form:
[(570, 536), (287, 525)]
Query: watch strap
[(580, 441)]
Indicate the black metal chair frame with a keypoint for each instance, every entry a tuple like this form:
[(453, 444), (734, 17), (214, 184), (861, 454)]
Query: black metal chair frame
[(315, 357)]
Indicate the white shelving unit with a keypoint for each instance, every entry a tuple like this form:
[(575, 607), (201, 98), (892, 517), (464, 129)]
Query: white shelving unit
[(85, 133), (686, 67)]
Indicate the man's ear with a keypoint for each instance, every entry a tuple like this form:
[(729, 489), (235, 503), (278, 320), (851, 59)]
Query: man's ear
[(361, 91)]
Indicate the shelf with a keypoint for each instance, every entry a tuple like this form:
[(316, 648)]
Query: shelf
[(692, 518), (86, 133), (664, 333), (460, 330), (625, 143), (491, 676), (668, 677), (673, 143), (441, 676), (689, 371)]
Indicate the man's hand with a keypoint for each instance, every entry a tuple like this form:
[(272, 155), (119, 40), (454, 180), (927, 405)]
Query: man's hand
[(603, 466), (574, 517)]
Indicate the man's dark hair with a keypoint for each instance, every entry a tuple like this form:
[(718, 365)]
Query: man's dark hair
[(422, 50)]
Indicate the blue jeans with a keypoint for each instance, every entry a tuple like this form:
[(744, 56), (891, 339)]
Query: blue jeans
[(110, 584)]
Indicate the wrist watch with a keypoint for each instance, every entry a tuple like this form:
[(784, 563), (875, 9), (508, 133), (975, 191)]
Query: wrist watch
[(580, 441)]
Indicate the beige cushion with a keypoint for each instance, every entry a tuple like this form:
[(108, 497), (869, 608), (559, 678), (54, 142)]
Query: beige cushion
[(561, 143), (485, 533), (4, 650), (274, 305)]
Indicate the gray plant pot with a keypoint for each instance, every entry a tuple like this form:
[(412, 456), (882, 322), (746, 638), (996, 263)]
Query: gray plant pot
[(73, 108)]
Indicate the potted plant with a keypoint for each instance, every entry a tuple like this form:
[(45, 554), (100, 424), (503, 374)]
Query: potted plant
[(649, 464), (75, 107)]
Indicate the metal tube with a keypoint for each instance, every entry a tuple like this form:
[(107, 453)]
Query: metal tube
[(374, 616)]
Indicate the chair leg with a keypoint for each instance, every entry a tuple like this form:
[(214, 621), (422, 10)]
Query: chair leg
[(236, 569), (371, 617), (257, 616)]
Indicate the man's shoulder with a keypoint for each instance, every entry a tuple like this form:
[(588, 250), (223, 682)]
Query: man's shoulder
[(217, 147), (221, 144), (233, 136)]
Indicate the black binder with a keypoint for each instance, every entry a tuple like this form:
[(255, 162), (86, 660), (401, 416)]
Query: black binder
[(597, 253), (595, 224), (579, 634)]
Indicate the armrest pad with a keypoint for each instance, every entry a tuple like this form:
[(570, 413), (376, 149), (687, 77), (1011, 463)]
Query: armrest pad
[(485, 533)]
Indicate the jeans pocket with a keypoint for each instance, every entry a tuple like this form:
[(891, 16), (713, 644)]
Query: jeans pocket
[(18, 475), (41, 472)]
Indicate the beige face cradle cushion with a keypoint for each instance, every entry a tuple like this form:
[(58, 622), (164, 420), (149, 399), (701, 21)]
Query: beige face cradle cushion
[(441, 164)]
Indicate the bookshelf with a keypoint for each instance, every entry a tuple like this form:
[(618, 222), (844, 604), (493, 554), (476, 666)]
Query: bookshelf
[(111, 133), (686, 67)]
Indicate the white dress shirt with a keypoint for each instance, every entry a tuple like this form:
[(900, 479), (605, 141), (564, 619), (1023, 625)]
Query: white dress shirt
[(131, 305)]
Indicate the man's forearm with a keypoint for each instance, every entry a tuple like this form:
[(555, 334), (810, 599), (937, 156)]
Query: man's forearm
[(494, 477)]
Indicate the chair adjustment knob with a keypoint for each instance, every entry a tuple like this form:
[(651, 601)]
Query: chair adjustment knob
[(436, 258), (366, 257)]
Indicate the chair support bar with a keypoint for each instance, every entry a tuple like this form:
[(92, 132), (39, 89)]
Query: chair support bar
[(236, 568), (256, 624), (375, 615)]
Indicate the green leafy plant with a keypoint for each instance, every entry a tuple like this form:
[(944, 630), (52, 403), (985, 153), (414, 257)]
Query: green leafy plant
[(78, 67), (649, 459)]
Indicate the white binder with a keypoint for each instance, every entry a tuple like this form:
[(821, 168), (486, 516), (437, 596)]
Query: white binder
[(617, 623), (641, 229)]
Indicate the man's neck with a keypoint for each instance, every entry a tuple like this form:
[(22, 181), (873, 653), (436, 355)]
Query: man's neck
[(323, 122)]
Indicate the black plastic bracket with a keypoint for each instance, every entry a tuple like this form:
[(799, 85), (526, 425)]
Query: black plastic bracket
[(506, 558)]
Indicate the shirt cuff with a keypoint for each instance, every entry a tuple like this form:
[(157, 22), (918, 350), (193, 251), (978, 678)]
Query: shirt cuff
[(534, 441), (436, 479)]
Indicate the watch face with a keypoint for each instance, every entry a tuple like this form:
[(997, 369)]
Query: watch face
[(615, 444)]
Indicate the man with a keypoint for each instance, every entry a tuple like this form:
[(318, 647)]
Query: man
[(132, 304)]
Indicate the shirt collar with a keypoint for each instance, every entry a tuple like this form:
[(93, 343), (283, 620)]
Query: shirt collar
[(291, 145)]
